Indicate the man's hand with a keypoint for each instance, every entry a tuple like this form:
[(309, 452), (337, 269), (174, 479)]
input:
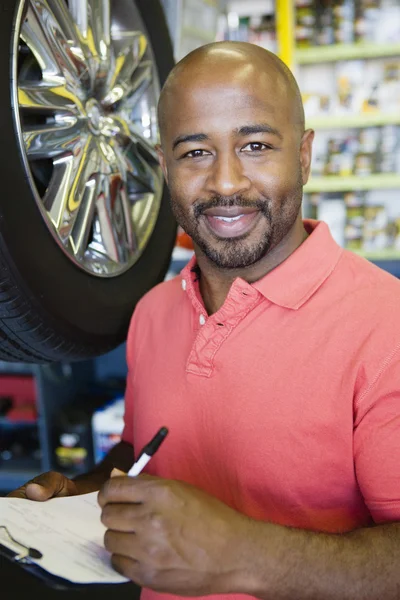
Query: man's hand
[(54, 485), (172, 537), (46, 486)]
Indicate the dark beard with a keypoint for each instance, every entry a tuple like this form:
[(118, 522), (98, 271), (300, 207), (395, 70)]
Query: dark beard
[(239, 252)]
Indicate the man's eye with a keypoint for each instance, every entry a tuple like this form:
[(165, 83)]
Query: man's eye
[(196, 154), (255, 147)]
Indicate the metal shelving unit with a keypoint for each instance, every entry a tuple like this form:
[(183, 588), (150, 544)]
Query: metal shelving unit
[(337, 183), (192, 23), (369, 117), (336, 52), (64, 382), (373, 119)]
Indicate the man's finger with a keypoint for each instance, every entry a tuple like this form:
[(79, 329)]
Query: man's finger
[(126, 489), (127, 567), (49, 485), (38, 492), (45, 486), (19, 493), (118, 542), (124, 517)]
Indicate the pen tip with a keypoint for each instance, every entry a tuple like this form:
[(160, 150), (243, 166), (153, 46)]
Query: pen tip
[(163, 431)]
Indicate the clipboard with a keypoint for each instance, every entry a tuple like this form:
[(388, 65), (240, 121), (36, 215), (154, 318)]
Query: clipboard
[(22, 554)]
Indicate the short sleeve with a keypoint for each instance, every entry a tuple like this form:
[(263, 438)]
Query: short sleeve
[(377, 443), (127, 434)]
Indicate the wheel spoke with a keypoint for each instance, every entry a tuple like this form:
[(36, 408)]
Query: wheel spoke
[(89, 165), (132, 89), (115, 164), (66, 23), (59, 58), (99, 38), (72, 175), (145, 178), (145, 147), (143, 171), (56, 197), (52, 139), (79, 13), (131, 242), (127, 60), (39, 95), (71, 33), (107, 236), (138, 157), (73, 206), (83, 224), (142, 77)]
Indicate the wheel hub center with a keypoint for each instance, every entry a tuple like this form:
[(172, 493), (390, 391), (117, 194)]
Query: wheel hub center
[(95, 115)]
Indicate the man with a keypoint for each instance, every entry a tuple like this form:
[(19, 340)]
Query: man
[(273, 361)]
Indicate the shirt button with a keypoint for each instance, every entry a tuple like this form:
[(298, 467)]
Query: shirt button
[(202, 319), (184, 284)]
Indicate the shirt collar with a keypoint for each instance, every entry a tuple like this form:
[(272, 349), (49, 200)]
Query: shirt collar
[(295, 280)]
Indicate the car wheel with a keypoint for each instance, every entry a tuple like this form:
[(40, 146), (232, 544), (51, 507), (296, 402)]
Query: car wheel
[(85, 222)]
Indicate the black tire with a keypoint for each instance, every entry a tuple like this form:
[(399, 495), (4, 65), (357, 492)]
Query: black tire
[(50, 310)]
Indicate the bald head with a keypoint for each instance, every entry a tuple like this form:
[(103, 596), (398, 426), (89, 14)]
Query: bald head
[(248, 64)]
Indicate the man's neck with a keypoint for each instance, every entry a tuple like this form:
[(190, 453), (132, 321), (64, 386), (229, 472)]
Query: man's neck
[(215, 283)]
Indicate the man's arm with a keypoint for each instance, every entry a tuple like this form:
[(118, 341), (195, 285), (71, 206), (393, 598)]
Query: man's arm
[(119, 457), (290, 563), (188, 543)]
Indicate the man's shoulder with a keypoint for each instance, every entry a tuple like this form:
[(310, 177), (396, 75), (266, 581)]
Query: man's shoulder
[(366, 274), (369, 288)]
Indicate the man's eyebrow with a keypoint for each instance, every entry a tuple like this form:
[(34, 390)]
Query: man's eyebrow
[(192, 137), (258, 128)]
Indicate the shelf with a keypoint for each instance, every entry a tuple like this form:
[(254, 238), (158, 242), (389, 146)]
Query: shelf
[(349, 121), (251, 8), (379, 255), (198, 34), (11, 424), (336, 183), (334, 52)]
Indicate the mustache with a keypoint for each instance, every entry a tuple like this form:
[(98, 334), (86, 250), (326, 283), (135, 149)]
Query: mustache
[(225, 201)]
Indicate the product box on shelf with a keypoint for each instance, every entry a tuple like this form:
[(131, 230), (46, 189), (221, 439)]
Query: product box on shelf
[(325, 22), (107, 427), (366, 222)]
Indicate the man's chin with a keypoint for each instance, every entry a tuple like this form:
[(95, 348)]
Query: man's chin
[(231, 260)]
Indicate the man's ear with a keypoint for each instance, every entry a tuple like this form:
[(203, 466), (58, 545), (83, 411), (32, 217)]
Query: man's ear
[(162, 161), (306, 154)]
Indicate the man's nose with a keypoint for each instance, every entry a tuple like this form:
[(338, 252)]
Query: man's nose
[(227, 176)]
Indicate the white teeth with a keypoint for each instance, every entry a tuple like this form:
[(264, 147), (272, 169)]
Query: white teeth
[(229, 219)]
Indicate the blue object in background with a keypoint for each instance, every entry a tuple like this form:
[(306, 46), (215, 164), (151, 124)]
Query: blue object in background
[(111, 365)]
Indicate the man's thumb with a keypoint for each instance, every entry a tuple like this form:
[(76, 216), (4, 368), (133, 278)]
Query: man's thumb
[(35, 491)]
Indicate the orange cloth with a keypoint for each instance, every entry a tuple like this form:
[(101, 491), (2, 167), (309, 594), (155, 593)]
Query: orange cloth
[(285, 404)]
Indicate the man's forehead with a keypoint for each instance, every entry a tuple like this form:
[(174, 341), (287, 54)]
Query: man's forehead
[(222, 96)]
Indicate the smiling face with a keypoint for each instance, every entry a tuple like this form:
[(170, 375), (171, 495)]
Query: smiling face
[(234, 154)]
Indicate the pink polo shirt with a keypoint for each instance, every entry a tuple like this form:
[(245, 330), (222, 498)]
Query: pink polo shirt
[(285, 404)]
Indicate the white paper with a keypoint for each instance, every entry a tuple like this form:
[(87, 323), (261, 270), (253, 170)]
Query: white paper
[(67, 531)]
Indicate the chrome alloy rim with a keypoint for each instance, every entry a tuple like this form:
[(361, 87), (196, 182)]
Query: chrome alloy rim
[(85, 92)]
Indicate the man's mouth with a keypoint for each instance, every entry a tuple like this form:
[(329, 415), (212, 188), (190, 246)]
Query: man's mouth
[(231, 221)]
